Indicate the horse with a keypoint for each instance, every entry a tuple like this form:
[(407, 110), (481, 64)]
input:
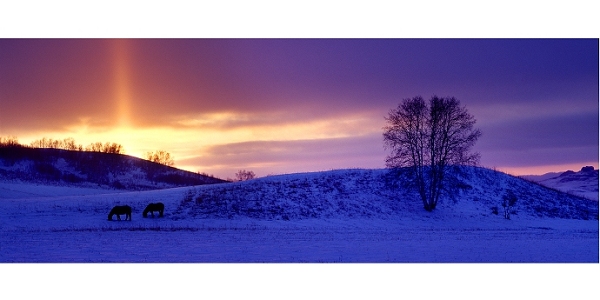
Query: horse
[(152, 207), (120, 210)]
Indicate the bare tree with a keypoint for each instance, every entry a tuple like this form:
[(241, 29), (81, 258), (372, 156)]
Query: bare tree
[(243, 175), (66, 144), (113, 148), (509, 199), (429, 138), (107, 147), (9, 141), (94, 147), (161, 157), (69, 144), (44, 143)]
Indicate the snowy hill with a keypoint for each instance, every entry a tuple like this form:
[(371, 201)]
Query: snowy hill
[(375, 194), (583, 183), (81, 169)]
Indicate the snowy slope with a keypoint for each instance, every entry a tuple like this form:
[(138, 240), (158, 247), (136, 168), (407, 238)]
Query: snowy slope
[(583, 183), (377, 194), (22, 190), (82, 169)]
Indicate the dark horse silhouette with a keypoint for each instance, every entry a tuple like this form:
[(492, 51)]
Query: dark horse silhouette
[(120, 210), (152, 207)]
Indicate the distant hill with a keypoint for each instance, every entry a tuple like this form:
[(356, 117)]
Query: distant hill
[(583, 183), (92, 169), (471, 192)]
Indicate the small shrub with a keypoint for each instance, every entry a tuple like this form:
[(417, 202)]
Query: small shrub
[(72, 178), (118, 185), (243, 175), (189, 196), (495, 210), (508, 201), (47, 170)]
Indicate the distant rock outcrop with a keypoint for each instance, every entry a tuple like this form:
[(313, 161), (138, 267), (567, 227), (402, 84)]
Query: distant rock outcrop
[(583, 183), (587, 169)]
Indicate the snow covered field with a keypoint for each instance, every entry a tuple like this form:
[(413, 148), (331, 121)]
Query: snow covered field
[(573, 242), (74, 228)]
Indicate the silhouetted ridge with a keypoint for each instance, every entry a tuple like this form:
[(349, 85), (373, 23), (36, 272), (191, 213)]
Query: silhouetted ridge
[(93, 168)]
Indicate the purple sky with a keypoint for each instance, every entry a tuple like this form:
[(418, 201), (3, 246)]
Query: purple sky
[(293, 105)]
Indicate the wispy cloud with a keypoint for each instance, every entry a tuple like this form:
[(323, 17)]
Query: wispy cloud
[(270, 157)]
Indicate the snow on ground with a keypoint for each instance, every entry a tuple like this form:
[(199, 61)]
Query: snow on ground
[(302, 242), (20, 190), (585, 188), (74, 228), (582, 183)]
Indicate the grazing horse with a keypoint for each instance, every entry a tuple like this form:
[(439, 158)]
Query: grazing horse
[(120, 210), (152, 207)]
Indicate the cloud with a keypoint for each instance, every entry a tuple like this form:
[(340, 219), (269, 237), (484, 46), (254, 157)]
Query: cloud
[(550, 140), (575, 130), (267, 157)]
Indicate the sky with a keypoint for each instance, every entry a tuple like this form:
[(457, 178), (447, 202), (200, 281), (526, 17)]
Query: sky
[(278, 106)]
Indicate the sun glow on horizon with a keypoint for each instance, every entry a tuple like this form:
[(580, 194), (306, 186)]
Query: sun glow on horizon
[(190, 143), (188, 139)]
